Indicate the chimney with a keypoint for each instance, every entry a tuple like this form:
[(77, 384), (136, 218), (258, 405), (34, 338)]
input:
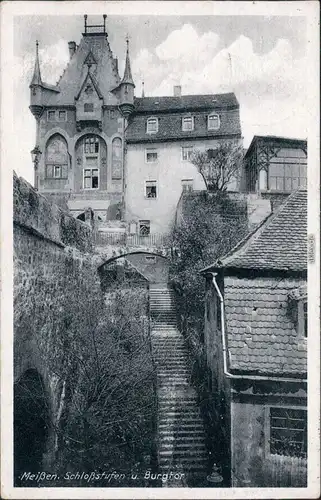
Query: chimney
[(177, 91), (72, 48)]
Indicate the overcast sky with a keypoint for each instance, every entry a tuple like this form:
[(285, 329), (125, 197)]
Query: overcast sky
[(262, 59)]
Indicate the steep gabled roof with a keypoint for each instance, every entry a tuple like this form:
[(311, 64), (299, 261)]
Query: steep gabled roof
[(280, 243)]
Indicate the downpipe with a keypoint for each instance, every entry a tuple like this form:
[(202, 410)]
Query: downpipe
[(224, 344)]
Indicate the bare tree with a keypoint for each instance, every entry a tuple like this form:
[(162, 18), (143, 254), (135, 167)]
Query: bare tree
[(219, 166)]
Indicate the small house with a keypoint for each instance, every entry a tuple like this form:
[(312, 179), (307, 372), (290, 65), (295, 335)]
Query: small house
[(256, 350)]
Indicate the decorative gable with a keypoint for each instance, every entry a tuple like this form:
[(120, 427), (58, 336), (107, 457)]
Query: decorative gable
[(90, 60), (89, 102)]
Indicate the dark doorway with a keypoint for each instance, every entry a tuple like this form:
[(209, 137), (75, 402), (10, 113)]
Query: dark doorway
[(31, 424)]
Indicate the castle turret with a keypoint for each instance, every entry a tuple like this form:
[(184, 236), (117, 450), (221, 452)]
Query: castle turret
[(36, 97), (127, 87)]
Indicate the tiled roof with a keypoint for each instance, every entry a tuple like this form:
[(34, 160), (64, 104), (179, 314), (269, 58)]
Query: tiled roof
[(261, 337), (285, 142), (170, 126), (280, 243), (185, 103)]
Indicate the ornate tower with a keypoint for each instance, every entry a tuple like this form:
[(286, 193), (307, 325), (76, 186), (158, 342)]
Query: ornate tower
[(126, 88), (36, 97)]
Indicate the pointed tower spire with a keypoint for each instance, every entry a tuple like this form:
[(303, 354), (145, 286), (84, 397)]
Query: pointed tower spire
[(127, 78), (143, 88), (36, 79)]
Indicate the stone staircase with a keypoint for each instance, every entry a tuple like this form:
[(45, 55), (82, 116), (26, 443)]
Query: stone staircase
[(162, 307), (182, 450)]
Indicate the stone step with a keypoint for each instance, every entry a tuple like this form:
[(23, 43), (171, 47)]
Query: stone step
[(169, 466), (178, 421), (186, 424), (192, 460), (183, 441), (199, 453)]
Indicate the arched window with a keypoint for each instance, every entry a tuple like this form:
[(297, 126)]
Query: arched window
[(56, 158), (213, 121), (117, 156), (152, 125)]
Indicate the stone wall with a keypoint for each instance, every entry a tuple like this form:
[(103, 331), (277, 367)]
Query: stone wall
[(54, 279)]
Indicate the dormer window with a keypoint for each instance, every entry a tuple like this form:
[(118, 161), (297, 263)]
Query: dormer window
[(152, 125), (213, 121), (187, 123)]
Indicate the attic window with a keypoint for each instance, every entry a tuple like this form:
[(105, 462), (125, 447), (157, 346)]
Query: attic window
[(188, 123), (152, 125), (88, 107), (213, 121)]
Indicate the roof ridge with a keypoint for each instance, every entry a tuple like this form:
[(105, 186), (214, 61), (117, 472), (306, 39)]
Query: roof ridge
[(265, 223), (241, 247)]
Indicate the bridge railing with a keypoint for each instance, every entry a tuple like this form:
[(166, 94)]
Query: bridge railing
[(131, 240)]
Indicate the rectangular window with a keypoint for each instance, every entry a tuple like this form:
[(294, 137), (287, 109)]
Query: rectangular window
[(187, 123), (91, 145), (305, 319), (88, 107), (62, 116), (187, 185), (151, 155), (56, 171), (187, 153), (51, 115), (284, 175), (151, 189), (288, 432), (49, 171), (91, 178), (144, 227)]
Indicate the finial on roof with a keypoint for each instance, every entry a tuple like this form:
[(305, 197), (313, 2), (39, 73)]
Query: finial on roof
[(143, 88), (127, 78), (36, 79)]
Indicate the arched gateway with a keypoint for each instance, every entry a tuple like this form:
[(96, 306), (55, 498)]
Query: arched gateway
[(31, 424)]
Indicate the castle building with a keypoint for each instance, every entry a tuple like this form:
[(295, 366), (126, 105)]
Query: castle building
[(124, 157)]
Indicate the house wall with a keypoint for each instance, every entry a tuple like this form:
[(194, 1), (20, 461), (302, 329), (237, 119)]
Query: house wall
[(219, 385), (240, 413), (252, 464), (155, 271), (168, 171)]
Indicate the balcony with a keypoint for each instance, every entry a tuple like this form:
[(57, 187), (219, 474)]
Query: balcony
[(124, 239)]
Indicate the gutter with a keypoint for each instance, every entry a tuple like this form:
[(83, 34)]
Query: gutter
[(224, 345)]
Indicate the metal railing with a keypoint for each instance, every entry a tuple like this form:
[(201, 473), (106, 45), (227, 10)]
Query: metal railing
[(131, 240)]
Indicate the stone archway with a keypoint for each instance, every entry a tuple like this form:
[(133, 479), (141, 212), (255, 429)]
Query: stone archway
[(153, 266), (31, 424)]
